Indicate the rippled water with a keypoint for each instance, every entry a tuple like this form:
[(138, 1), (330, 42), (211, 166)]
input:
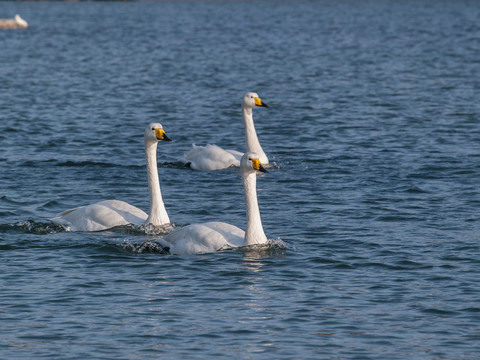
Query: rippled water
[(374, 127)]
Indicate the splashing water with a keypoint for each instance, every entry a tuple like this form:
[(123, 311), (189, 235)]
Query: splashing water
[(33, 227)]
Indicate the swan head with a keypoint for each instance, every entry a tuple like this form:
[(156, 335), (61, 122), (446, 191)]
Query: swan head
[(155, 133), (252, 100), (250, 162)]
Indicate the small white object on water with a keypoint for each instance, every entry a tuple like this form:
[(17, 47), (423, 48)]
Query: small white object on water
[(16, 23)]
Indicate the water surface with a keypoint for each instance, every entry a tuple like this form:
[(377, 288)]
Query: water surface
[(374, 129)]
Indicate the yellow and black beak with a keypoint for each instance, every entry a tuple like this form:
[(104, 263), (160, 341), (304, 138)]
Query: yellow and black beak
[(258, 166), (160, 134), (260, 103)]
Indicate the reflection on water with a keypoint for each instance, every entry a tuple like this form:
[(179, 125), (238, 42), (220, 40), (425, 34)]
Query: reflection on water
[(252, 255)]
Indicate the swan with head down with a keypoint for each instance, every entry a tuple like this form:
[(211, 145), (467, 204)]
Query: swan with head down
[(215, 236), (212, 157), (110, 213)]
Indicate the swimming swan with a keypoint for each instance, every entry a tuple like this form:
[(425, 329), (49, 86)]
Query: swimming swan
[(214, 236), (212, 157), (16, 23), (110, 213)]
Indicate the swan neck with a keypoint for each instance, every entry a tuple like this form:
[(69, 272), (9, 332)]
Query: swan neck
[(254, 233), (253, 145), (158, 214)]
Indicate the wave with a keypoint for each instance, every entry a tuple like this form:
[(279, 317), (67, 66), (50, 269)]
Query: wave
[(144, 229), (90, 163), (150, 246), (45, 228), (33, 227), (70, 163), (274, 248)]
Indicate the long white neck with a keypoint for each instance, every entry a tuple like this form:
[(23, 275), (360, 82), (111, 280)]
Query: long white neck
[(158, 215), (253, 145), (254, 233)]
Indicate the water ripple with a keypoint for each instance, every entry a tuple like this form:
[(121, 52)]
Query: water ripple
[(372, 132)]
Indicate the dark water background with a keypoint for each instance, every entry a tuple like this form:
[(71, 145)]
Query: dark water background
[(374, 126)]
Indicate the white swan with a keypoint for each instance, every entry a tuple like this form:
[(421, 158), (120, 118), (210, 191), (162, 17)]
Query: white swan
[(214, 236), (17, 23), (212, 157), (110, 213)]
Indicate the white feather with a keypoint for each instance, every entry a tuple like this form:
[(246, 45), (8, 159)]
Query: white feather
[(212, 157), (110, 213), (214, 236)]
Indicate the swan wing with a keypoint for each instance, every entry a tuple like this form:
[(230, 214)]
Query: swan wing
[(236, 154), (212, 157), (101, 216), (203, 238)]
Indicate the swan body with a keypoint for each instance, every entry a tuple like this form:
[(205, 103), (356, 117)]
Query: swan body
[(100, 216), (203, 238), (16, 23), (215, 236), (212, 157), (110, 213)]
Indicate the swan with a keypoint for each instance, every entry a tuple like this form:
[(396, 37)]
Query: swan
[(110, 213), (214, 236), (212, 157), (16, 23)]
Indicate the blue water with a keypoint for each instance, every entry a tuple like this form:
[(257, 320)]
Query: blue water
[(374, 128)]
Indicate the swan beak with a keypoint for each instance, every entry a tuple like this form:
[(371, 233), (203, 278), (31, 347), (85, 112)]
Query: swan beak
[(260, 103), (257, 166), (160, 134)]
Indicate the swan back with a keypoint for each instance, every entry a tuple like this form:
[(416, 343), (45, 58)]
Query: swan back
[(203, 238), (100, 216)]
